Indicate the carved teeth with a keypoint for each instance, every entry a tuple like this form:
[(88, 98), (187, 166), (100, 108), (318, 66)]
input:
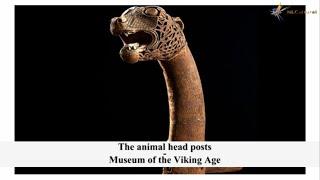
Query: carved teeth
[(133, 46), (128, 33)]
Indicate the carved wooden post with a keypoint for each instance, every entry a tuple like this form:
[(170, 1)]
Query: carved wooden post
[(149, 33)]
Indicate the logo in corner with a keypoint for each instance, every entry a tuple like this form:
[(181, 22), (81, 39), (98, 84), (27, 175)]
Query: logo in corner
[(277, 11)]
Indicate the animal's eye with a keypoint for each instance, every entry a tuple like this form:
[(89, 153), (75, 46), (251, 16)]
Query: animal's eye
[(151, 11)]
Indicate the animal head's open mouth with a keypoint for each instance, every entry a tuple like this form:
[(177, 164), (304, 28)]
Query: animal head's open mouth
[(136, 40), (134, 44)]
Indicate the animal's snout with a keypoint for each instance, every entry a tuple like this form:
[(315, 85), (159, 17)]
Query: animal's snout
[(117, 24)]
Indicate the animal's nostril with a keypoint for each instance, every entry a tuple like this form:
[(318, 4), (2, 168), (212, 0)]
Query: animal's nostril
[(121, 19)]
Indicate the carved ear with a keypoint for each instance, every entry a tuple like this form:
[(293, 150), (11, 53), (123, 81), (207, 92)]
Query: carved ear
[(179, 21)]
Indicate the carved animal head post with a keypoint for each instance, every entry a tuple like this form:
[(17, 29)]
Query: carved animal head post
[(149, 33)]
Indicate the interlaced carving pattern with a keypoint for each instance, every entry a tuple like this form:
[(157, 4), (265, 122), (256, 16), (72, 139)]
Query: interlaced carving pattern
[(170, 39)]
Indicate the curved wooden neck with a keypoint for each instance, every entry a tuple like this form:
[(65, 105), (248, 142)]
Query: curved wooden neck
[(186, 102), (187, 108)]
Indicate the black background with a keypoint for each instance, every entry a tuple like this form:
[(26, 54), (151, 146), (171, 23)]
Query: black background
[(71, 85)]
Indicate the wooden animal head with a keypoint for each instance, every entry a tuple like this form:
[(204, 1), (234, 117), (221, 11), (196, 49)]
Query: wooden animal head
[(148, 33)]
